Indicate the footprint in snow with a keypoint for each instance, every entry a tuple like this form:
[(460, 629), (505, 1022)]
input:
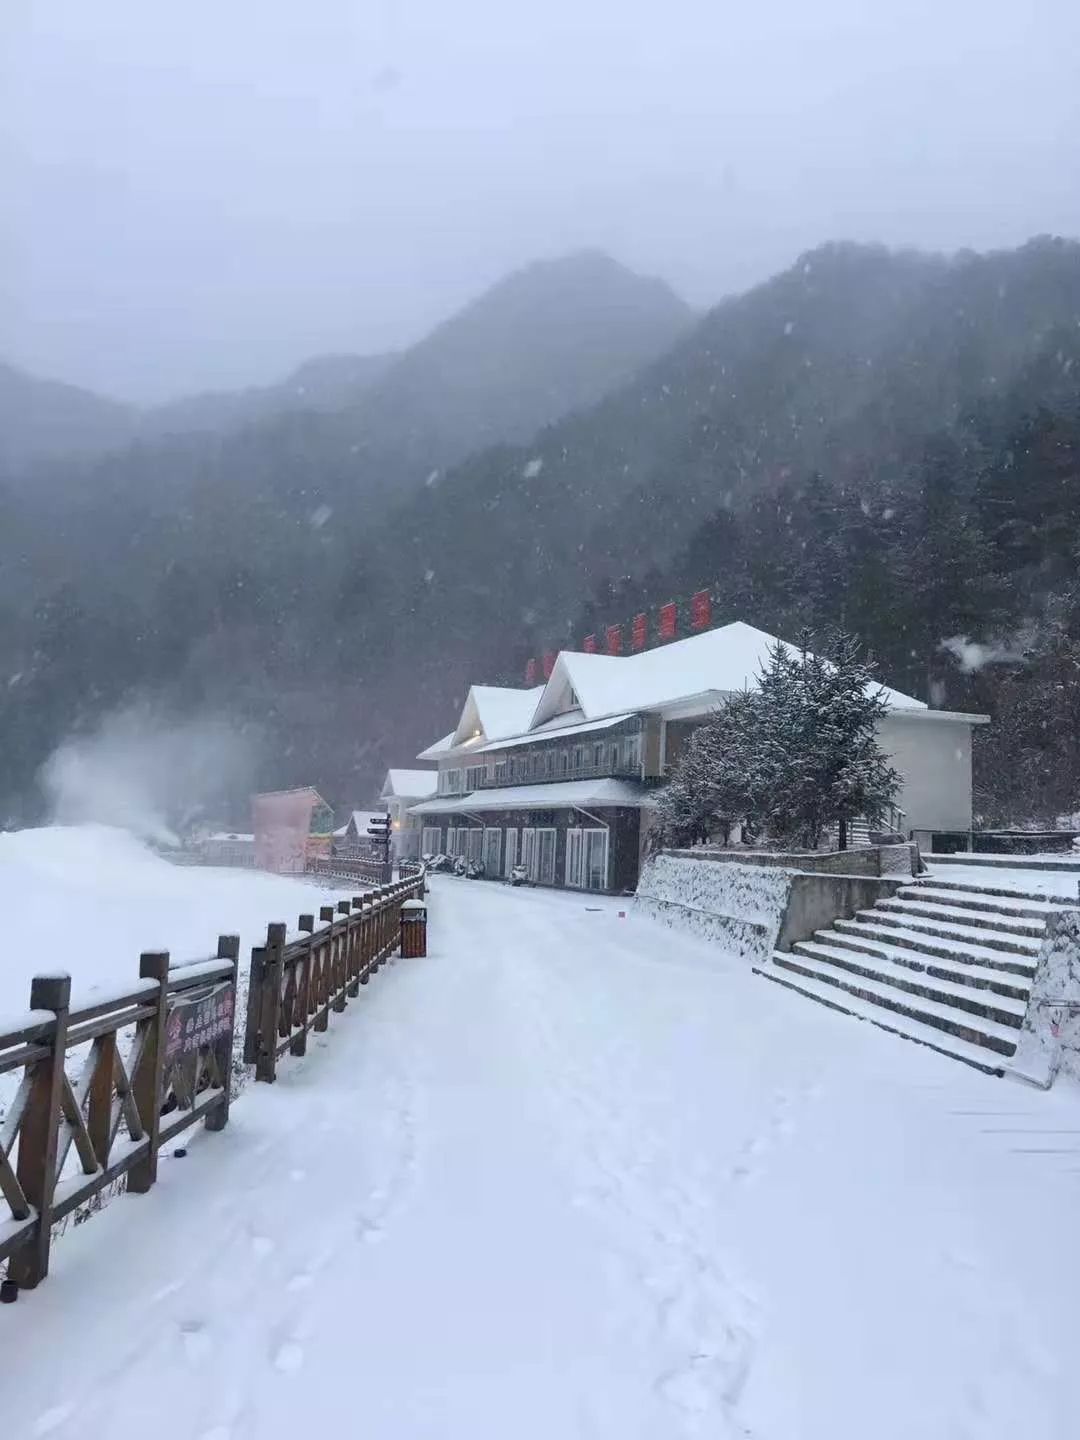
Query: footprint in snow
[(49, 1421), (196, 1342), (288, 1358)]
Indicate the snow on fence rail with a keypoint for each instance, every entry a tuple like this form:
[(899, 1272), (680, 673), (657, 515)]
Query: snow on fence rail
[(71, 1139)]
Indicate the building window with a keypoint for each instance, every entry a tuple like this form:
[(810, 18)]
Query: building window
[(429, 843), (475, 838), (510, 855), (474, 777), (632, 750), (598, 755), (564, 762), (587, 859), (450, 782), (492, 851), (528, 851), (549, 763), (579, 757), (500, 773)]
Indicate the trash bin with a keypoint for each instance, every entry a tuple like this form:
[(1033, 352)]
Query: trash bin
[(413, 929)]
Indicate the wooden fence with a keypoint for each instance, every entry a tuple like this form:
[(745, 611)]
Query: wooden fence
[(338, 867), (122, 1108), (295, 984)]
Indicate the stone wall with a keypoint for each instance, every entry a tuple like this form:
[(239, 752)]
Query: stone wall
[(1050, 1037), (739, 906)]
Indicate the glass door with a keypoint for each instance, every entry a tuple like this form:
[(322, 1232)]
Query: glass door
[(596, 859), (510, 854)]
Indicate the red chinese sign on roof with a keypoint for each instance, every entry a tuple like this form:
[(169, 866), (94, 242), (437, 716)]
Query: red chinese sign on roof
[(639, 632), (669, 620), (530, 672), (589, 644), (614, 639), (700, 610), (549, 663)]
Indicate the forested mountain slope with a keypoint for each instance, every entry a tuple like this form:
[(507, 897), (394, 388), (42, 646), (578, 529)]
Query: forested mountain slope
[(846, 444)]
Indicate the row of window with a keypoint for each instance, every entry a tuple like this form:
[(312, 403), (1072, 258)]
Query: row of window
[(585, 860), (606, 756)]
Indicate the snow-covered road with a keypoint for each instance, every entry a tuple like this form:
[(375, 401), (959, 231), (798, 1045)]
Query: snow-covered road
[(576, 1175)]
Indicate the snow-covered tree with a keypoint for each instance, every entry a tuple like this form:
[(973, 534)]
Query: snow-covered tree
[(792, 758)]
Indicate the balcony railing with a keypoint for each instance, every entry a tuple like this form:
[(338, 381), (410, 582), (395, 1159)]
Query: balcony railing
[(605, 770)]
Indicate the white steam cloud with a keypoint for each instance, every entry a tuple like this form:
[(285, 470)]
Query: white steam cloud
[(973, 654), (147, 773)]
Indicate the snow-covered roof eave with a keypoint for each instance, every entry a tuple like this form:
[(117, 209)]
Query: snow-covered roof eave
[(955, 717), (555, 795)]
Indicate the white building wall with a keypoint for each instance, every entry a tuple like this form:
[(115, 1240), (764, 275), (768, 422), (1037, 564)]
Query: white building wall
[(934, 758)]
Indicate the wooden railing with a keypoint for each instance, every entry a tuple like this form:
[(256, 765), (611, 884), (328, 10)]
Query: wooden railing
[(335, 867), (121, 1108), (154, 1059), (295, 984)]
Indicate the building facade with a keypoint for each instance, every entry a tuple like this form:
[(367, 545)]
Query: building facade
[(402, 789), (559, 778)]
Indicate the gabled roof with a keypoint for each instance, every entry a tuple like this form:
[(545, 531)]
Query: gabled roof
[(409, 784), (717, 662), (494, 712), (439, 748), (359, 820)]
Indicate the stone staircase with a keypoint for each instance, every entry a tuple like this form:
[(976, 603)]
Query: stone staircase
[(943, 963)]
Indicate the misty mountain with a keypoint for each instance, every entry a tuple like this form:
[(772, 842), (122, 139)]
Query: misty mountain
[(832, 446), (325, 383), (40, 418), (548, 340)]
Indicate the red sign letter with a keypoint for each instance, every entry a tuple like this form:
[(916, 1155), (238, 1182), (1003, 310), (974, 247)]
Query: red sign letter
[(589, 645), (700, 610), (639, 632), (614, 639), (669, 619)]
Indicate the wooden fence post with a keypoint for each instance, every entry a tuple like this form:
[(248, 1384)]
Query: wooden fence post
[(256, 976), (228, 948), (270, 1009), (341, 955), (36, 1170), (356, 944), (298, 1043), (146, 1083)]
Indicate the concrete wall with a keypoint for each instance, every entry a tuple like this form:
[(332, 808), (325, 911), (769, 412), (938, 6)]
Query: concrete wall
[(815, 900), (934, 759)]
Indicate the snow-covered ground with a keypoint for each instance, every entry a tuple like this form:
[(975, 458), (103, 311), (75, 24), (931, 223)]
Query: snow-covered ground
[(578, 1176)]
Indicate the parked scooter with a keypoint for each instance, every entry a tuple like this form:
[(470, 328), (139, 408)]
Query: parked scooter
[(518, 875), (461, 865), (475, 870)]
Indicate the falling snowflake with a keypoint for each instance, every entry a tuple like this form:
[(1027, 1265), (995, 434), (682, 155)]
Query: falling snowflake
[(320, 516), (533, 468), (432, 478), (789, 327)]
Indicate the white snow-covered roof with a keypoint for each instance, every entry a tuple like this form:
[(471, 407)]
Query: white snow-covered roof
[(570, 724), (715, 663), (559, 795), (441, 747), (409, 784), (494, 712), (361, 819)]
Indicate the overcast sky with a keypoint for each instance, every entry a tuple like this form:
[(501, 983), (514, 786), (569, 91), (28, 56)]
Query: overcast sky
[(201, 193)]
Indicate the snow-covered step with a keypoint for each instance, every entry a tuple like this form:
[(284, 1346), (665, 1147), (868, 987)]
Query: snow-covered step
[(987, 1004), (909, 1029), (938, 1015), (1006, 983), (929, 920), (927, 944), (1012, 969), (1014, 903), (1063, 864)]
